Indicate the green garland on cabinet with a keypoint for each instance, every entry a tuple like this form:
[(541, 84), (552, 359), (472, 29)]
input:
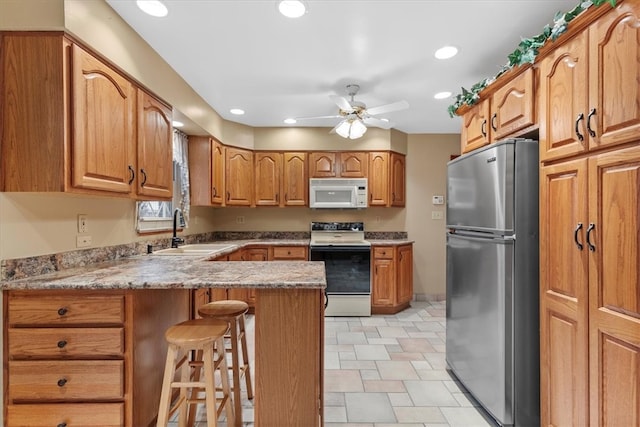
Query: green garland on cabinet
[(526, 52)]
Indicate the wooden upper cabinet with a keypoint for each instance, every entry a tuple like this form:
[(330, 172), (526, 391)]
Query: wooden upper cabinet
[(353, 164), (513, 107), (378, 178), (398, 180), (322, 165), (475, 127), (614, 76), (239, 176), (295, 184), (563, 96), (268, 177), (217, 173), (71, 122), (155, 148), (103, 137), (206, 171)]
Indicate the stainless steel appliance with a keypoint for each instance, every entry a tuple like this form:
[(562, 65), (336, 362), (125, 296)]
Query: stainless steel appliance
[(347, 259), (338, 193), (492, 340)]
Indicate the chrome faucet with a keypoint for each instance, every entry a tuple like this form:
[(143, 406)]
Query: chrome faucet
[(175, 240)]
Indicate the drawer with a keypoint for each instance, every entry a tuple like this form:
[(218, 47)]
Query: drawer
[(290, 252), (40, 343), (66, 380), (68, 415), (383, 252), (41, 309)]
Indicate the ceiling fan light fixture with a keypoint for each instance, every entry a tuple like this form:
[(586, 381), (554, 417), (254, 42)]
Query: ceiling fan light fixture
[(292, 8), (357, 129), (343, 129), (153, 7)]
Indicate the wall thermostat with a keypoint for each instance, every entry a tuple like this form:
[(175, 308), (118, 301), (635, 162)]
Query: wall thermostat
[(438, 200)]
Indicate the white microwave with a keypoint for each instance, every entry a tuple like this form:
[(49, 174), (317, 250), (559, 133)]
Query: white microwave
[(338, 193)]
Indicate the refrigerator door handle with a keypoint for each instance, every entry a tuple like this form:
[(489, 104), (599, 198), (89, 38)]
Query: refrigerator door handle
[(575, 236)]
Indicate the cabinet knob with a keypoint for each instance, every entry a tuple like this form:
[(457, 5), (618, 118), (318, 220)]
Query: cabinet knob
[(62, 344), (62, 311), (62, 382)]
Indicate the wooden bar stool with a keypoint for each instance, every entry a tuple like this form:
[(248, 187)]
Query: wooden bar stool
[(205, 337), (233, 311)]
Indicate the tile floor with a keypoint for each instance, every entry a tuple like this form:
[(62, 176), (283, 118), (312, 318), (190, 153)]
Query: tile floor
[(388, 370)]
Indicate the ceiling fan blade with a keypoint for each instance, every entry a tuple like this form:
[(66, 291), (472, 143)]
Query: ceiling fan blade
[(341, 102), (334, 116), (372, 121), (387, 108)]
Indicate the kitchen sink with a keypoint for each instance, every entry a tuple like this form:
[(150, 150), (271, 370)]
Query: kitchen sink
[(195, 249)]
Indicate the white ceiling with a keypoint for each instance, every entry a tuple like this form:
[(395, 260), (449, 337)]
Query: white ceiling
[(244, 54)]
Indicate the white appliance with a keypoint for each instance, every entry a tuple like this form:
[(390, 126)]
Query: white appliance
[(347, 260), (338, 193)]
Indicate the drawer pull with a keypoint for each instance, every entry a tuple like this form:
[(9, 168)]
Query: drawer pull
[(62, 344), (62, 425), (62, 311), (62, 382)]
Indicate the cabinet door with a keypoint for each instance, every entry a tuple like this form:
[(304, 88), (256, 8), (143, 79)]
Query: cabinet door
[(353, 164), (383, 283), (512, 106), (322, 165), (200, 170), (255, 254), (295, 183), (405, 274), (614, 288), (614, 88), (155, 148), (563, 100), (564, 381), (217, 173), (268, 172), (200, 298), (239, 177), (103, 134), (475, 127), (378, 178), (398, 179)]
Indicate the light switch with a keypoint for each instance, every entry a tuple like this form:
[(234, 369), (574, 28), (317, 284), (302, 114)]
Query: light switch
[(437, 215)]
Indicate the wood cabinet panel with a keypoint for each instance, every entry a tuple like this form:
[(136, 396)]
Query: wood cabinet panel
[(103, 138), (56, 414), (398, 180), (295, 185), (391, 278), (206, 171), (475, 127), (405, 274), (614, 73), (268, 177), (289, 253), (322, 165), (66, 342), (378, 178), (218, 173), (382, 291), (513, 106), (155, 148), (66, 380), (239, 176), (66, 310), (353, 164)]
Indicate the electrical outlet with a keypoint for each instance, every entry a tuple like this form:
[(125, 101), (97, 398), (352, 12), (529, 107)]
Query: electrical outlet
[(239, 220), (83, 241), (83, 223), (437, 215)]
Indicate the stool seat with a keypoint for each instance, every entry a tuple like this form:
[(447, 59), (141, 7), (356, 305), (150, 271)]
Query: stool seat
[(197, 332), (223, 309)]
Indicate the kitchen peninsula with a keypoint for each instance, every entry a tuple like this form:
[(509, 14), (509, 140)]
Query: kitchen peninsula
[(86, 346)]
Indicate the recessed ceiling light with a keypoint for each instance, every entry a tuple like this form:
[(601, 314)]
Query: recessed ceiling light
[(292, 8), (177, 124), (237, 111), (153, 7), (290, 121), (446, 52), (442, 95)]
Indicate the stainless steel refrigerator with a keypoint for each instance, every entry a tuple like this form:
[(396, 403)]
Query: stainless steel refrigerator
[(492, 343)]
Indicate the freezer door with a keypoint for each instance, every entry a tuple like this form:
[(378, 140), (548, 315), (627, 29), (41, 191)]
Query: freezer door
[(479, 326), (480, 189)]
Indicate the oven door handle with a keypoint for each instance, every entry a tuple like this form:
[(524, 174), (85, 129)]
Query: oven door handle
[(340, 248)]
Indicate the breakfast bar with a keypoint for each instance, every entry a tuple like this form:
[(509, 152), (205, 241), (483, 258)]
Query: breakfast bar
[(86, 346)]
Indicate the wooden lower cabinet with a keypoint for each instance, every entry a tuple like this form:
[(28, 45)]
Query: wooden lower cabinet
[(391, 278), (590, 290), (86, 357)]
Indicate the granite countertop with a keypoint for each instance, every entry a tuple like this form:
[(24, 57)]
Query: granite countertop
[(176, 271)]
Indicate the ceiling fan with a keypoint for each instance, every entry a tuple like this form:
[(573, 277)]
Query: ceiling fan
[(356, 116)]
